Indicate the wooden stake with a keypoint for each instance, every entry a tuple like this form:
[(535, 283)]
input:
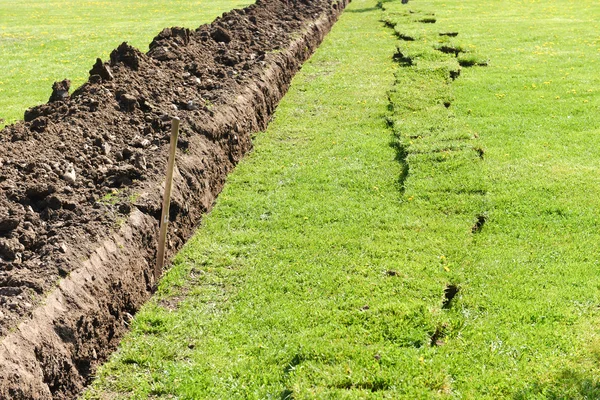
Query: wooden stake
[(164, 219)]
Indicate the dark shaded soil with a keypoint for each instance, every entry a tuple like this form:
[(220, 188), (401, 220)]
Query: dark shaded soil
[(449, 293), (81, 178)]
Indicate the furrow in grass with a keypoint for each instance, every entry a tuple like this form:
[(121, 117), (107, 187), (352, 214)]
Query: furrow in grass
[(527, 272), (442, 158)]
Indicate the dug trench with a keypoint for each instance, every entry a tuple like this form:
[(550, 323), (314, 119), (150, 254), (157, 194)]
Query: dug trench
[(81, 181)]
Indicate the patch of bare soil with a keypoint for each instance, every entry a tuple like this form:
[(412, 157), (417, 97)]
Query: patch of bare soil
[(81, 177)]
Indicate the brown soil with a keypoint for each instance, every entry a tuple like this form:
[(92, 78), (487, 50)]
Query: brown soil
[(81, 179)]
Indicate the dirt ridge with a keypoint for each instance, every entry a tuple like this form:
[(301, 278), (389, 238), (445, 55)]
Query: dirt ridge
[(81, 181)]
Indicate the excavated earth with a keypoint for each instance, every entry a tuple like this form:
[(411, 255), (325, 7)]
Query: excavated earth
[(81, 181)]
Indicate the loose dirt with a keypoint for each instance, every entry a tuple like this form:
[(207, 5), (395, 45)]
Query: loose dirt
[(81, 177)]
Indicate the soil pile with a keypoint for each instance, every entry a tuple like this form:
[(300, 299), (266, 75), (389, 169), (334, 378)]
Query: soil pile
[(81, 178)]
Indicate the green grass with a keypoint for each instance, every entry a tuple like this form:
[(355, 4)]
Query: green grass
[(528, 310), (320, 272), (42, 41)]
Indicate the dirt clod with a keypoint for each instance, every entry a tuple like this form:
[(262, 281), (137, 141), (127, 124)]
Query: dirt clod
[(60, 91), (8, 224), (221, 35), (102, 70), (128, 102)]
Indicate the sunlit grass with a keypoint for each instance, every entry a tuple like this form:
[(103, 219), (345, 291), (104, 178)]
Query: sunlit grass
[(529, 279)]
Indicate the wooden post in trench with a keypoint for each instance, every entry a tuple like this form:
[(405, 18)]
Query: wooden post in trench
[(164, 219)]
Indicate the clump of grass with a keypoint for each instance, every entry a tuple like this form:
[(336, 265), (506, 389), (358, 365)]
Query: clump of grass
[(110, 198)]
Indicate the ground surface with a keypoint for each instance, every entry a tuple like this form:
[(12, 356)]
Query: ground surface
[(81, 177), (45, 41), (326, 269), (330, 264)]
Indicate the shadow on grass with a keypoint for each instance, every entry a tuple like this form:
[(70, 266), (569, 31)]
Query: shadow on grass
[(363, 10), (568, 385), (401, 154), (382, 2)]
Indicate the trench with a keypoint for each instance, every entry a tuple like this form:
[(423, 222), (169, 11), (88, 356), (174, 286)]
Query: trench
[(82, 176)]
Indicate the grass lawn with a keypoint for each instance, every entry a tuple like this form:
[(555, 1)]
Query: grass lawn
[(529, 304), (386, 185), (43, 41)]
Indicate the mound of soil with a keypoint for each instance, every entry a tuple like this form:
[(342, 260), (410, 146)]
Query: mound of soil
[(81, 180)]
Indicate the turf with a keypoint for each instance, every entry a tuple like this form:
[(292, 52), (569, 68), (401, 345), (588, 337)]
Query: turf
[(529, 276), (43, 41)]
